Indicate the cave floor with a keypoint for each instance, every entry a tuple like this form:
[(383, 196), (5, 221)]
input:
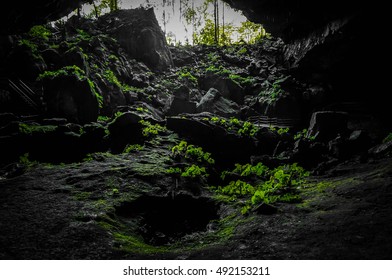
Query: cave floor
[(67, 212)]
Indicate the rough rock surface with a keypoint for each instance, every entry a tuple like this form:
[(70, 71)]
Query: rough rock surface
[(139, 33)]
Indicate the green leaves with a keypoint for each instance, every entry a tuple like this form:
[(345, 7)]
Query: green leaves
[(259, 184)]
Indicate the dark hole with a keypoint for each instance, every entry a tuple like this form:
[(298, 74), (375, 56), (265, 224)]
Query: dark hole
[(163, 220)]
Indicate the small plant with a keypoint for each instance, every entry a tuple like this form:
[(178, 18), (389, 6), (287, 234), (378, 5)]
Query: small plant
[(133, 148), (103, 118), (282, 130), (236, 189), (303, 134), (40, 32), (185, 74), (151, 129), (24, 159), (194, 171), (142, 110), (248, 129), (192, 152), (34, 128)]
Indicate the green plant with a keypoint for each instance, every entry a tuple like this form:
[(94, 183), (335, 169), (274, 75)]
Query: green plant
[(269, 186), (192, 152), (303, 134), (103, 118), (194, 171), (185, 74), (35, 128), (236, 189), (133, 148), (25, 160), (151, 129), (40, 32), (282, 130), (248, 129)]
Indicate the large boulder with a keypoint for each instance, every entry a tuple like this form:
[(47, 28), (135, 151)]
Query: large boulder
[(327, 125), (226, 86), (71, 97), (139, 34), (215, 103)]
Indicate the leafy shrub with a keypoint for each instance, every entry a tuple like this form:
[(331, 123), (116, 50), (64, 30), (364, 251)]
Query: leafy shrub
[(40, 32)]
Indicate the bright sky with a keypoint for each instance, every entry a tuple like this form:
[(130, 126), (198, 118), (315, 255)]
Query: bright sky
[(176, 23)]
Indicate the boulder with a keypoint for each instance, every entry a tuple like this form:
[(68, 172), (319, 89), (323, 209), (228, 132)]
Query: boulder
[(226, 86), (72, 98), (327, 125), (215, 103), (139, 34), (175, 106), (124, 129)]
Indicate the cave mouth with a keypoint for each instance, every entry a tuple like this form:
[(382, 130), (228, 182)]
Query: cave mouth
[(164, 220)]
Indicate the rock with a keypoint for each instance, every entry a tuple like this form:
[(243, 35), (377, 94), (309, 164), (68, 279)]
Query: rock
[(226, 86), (265, 209), (267, 140), (327, 125), (175, 106), (381, 149), (125, 129), (139, 34), (226, 147), (71, 98), (54, 121), (215, 103), (93, 138), (6, 118)]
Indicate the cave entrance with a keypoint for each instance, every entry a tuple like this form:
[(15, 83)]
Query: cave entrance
[(164, 220)]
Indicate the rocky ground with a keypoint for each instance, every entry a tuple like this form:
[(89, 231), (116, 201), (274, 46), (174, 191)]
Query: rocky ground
[(73, 212), (116, 150)]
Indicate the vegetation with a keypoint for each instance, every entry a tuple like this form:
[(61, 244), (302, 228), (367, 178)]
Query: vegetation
[(188, 151), (151, 129), (259, 184), (303, 134)]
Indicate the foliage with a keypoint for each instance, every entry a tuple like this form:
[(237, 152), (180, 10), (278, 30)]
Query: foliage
[(70, 70), (269, 186), (133, 148), (25, 160), (194, 171), (185, 75), (151, 129), (283, 130), (236, 188), (34, 128), (189, 151), (40, 32), (303, 134), (274, 90), (246, 170), (248, 129), (103, 118)]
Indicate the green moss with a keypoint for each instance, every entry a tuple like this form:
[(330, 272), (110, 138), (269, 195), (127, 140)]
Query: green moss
[(40, 32), (33, 128), (82, 195)]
